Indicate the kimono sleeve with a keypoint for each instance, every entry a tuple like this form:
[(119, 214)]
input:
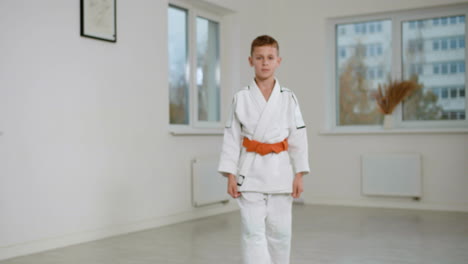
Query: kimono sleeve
[(298, 145), (230, 153)]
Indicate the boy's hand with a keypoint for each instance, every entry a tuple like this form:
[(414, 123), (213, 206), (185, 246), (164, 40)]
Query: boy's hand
[(297, 186), (232, 186)]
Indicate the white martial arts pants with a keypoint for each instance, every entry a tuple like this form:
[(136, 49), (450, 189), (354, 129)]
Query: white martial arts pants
[(266, 227)]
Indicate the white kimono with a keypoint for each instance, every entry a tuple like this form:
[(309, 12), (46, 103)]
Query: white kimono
[(268, 122)]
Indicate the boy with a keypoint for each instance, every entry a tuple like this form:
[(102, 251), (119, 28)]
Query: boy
[(264, 157)]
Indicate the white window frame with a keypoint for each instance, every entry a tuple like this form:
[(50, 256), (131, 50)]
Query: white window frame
[(400, 126), (195, 126)]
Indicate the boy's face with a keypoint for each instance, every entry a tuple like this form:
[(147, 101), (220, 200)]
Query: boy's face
[(265, 60)]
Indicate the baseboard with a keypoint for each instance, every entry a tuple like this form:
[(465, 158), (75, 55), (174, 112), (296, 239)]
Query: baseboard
[(31, 247), (381, 202)]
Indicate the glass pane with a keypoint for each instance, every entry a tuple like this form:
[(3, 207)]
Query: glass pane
[(208, 70), (441, 56), (364, 61), (178, 66)]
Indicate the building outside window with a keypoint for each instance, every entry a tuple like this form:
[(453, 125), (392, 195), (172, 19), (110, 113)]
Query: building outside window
[(425, 105), (179, 109), (356, 71), (194, 67), (430, 50)]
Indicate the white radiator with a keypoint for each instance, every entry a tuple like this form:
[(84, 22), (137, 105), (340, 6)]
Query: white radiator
[(208, 186), (391, 174)]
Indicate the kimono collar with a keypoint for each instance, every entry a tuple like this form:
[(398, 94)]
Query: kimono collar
[(258, 96)]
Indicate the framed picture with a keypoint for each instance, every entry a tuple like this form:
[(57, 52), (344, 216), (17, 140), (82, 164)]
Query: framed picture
[(98, 19)]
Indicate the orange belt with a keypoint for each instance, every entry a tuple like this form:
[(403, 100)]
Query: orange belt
[(264, 148)]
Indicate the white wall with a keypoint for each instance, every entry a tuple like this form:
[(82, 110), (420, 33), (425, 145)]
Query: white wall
[(85, 151), (335, 159)]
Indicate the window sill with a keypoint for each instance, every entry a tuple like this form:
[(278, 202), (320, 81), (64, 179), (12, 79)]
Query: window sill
[(378, 131), (190, 131)]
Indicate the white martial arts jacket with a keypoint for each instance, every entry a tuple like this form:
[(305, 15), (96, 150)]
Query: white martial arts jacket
[(268, 122)]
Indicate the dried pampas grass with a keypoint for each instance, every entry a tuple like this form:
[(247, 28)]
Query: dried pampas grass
[(388, 96)]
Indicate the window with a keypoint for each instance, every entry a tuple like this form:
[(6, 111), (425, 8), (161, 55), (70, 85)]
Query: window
[(453, 43), (443, 21), (453, 67), (416, 69), (421, 106), (178, 60), (436, 68), (435, 44), (379, 49), (194, 67), (429, 50), (360, 64), (448, 43), (208, 70), (453, 20), (453, 115), (444, 93), (420, 23), (380, 74), (357, 28), (444, 44), (453, 92), (461, 66), (449, 67), (379, 27), (444, 68), (370, 49), (342, 52)]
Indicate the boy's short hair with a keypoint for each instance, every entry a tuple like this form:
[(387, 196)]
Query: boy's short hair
[(264, 40)]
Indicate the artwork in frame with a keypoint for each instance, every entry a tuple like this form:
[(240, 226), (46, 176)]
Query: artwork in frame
[(98, 19)]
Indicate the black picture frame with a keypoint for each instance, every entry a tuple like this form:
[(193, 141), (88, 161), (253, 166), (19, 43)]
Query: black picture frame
[(99, 19)]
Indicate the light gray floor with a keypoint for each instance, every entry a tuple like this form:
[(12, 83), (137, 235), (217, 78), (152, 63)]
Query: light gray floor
[(321, 234)]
